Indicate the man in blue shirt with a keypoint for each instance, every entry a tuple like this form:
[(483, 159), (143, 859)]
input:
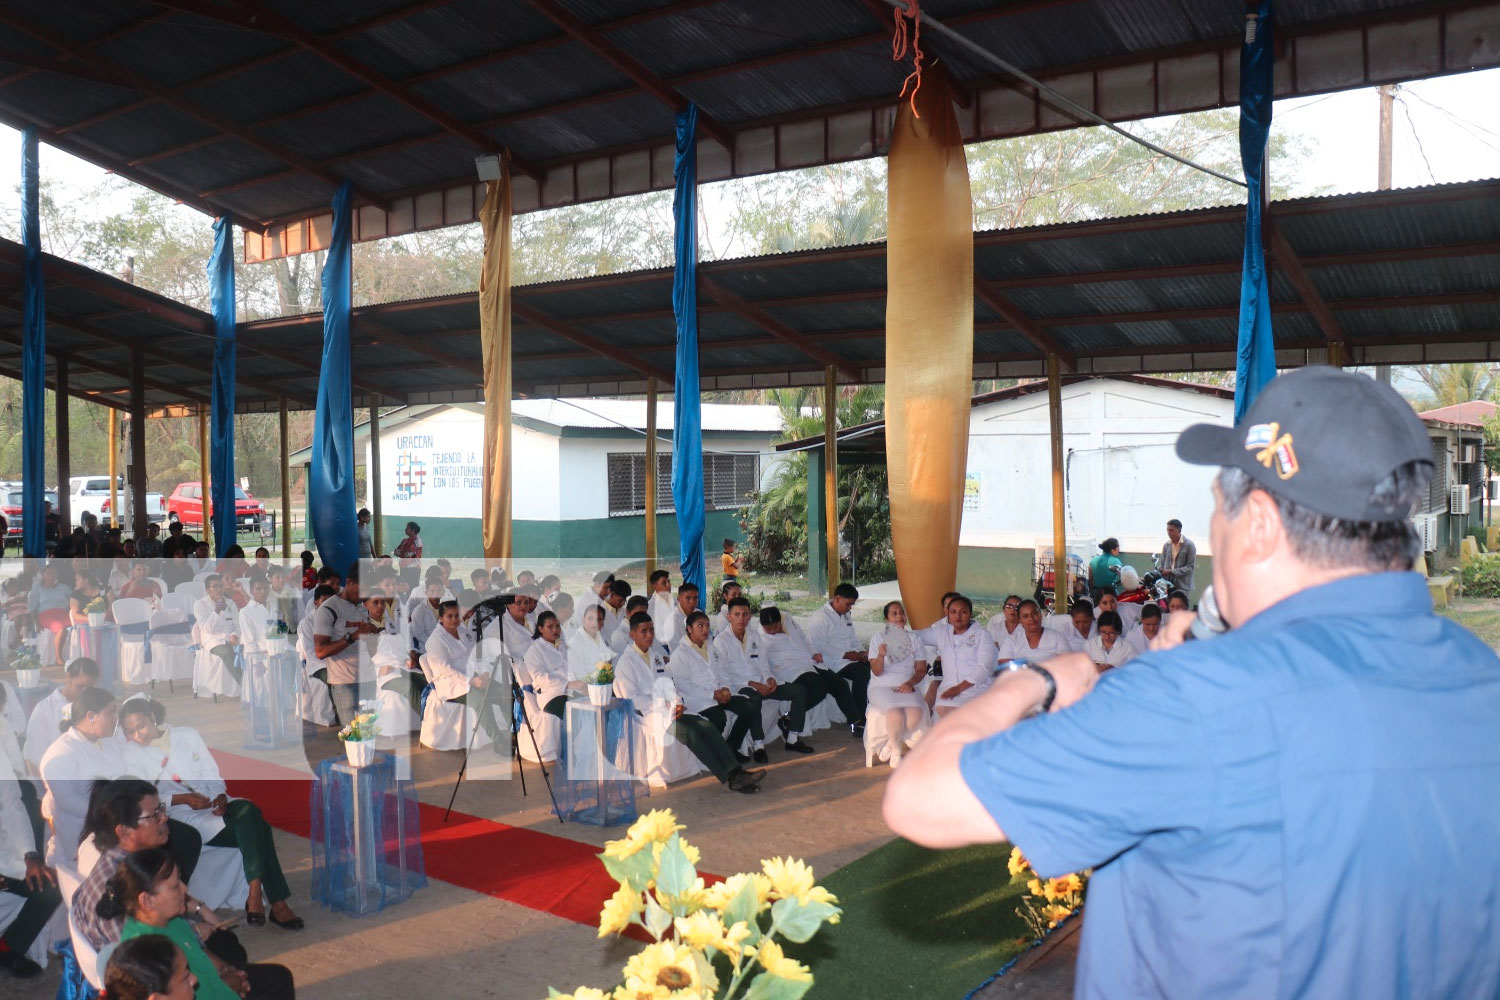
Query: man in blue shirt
[(1305, 806)]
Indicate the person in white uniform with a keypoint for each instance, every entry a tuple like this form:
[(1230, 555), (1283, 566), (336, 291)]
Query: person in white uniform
[(736, 656), (674, 625), (659, 584), (720, 621), (187, 778), (87, 751), (1005, 626), (791, 676), (517, 626), (45, 724), (422, 616), (1107, 649), (545, 665), (1139, 638), (22, 872), (1036, 642), (968, 651), (620, 640), (699, 689), (836, 648), (898, 664), (1076, 627), (452, 668), (1129, 612), (586, 646), (218, 623), (636, 671)]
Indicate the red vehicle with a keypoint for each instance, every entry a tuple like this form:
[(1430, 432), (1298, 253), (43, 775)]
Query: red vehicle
[(187, 502)]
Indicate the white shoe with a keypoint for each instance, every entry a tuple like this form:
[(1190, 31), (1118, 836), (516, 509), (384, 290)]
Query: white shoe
[(911, 741), (885, 752), (895, 760)]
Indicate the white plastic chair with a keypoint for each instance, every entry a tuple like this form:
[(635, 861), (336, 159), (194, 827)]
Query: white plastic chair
[(133, 666), (161, 585), (192, 589), (667, 760)]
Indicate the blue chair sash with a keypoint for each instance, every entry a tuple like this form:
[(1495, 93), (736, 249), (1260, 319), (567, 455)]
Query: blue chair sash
[(128, 633)]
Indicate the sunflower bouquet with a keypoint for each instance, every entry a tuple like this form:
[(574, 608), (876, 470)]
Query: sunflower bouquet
[(1048, 902), (706, 937), (603, 673), (95, 606), (364, 726)]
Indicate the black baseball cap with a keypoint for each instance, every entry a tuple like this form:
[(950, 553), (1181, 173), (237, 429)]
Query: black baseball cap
[(1322, 438)]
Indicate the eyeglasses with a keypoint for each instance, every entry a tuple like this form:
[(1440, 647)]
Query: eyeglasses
[(159, 813), (1012, 607)]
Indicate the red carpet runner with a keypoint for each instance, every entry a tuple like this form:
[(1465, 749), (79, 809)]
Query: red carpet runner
[(537, 870)]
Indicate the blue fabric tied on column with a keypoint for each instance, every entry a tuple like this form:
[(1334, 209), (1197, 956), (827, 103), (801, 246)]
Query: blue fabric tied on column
[(687, 407), (221, 403), (1255, 361), (33, 357), (73, 986), (330, 486)]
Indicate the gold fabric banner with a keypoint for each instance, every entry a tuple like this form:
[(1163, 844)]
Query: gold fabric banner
[(929, 345), (494, 336)]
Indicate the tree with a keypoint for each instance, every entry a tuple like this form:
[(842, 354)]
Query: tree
[(775, 522), (1449, 385)]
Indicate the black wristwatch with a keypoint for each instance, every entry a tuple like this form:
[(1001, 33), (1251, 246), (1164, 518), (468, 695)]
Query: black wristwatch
[(1046, 675)]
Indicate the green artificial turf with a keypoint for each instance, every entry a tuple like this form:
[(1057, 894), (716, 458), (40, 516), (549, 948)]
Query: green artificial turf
[(916, 923)]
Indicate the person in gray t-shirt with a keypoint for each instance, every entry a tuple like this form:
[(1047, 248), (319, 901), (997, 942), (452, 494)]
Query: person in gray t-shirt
[(337, 625)]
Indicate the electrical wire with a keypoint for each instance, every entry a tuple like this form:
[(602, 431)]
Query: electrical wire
[(1057, 99)]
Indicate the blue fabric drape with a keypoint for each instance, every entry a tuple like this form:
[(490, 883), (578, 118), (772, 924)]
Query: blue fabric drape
[(687, 424), (33, 358), (221, 403), (1255, 363), (330, 486)]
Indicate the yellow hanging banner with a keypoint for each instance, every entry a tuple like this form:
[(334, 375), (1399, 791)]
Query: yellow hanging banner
[(929, 344), (494, 336)]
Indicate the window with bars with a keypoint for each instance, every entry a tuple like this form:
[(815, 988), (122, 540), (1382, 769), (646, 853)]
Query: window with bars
[(728, 480), (1437, 490)]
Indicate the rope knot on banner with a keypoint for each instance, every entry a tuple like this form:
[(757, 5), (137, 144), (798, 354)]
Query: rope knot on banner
[(901, 41)]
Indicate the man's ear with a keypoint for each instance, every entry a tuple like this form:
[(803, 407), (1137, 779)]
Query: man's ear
[(1258, 529)]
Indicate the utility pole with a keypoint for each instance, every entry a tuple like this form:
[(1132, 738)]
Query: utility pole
[(1383, 175)]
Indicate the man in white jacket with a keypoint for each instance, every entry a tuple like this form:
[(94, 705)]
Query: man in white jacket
[(837, 649)]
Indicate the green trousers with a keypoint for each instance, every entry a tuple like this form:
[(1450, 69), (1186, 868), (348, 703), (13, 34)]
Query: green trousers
[(487, 720), (247, 829), (225, 652), (743, 713), (797, 699), (409, 686), (557, 706), (702, 737)]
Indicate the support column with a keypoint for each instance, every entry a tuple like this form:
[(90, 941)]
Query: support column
[(831, 472), (64, 471), (203, 483), (286, 487), (817, 536), (373, 483), (1062, 584), (138, 513), (650, 476), (114, 493)]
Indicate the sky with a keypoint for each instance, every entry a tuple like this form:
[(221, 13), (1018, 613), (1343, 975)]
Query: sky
[(1446, 130)]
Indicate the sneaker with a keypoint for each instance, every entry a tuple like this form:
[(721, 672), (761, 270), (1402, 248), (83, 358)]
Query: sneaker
[(759, 756), (801, 746)]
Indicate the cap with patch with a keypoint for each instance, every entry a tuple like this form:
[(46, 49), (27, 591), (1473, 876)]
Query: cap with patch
[(1322, 438)]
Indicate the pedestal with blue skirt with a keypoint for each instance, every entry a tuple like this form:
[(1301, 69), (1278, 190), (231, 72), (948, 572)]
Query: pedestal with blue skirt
[(600, 763), (100, 643), (366, 836), (269, 702)]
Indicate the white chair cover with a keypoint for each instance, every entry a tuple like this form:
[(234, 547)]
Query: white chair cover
[(446, 726), (211, 677), (133, 666), (548, 728), (171, 655), (876, 736), (88, 959), (667, 760), (219, 879), (192, 588)]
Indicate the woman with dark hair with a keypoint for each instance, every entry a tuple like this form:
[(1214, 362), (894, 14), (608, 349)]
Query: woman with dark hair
[(1104, 569), (148, 893), (149, 967), (588, 645), (187, 778), (546, 662), (87, 751)]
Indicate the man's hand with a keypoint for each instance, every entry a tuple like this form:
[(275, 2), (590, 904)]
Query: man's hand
[(366, 628), (1174, 633), (760, 689), (956, 690), (723, 695), (38, 875), (817, 657), (854, 655), (195, 801), (678, 710), (480, 682), (234, 640), (220, 804), (1075, 675), (236, 980)]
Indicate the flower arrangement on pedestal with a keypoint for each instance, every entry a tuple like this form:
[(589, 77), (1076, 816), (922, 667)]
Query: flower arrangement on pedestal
[(600, 683), (95, 609), (1048, 901), (27, 667), (359, 735), (699, 930)]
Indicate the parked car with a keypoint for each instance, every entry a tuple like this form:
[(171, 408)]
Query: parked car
[(91, 493), (187, 502), (10, 506)]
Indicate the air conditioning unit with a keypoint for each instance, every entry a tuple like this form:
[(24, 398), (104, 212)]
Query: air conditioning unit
[(1468, 453), (1426, 525), (1458, 499)]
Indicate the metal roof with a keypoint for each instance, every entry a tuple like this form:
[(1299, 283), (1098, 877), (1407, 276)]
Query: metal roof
[(261, 107), (1401, 277)]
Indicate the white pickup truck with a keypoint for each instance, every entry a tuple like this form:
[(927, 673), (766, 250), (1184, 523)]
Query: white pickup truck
[(91, 493)]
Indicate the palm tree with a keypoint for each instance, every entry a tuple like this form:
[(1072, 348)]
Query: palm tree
[(1449, 385)]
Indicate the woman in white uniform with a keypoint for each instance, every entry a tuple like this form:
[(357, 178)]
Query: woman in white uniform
[(178, 762), (449, 660), (546, 661), (1106, 648), (87, 751), (1036, 642), (898, 663), (968, 651), (586, 646)]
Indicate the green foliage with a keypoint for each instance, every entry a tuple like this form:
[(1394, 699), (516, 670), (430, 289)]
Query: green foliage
[(1481, 576), (1449, 385)]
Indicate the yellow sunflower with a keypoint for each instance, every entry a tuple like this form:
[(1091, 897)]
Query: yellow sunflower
[(583, 993), (618, 910), (777, 964), (665, 964), (1056, 914), (1018, 863), (655, 827), (721, 894)]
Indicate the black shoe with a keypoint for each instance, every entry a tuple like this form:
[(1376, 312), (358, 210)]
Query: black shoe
[(740, 781), (254, 919), (856, 729), (782, 724), (755, 774), (294, 924), (742, 758), (19, 965), (759, 756), (801, 746)]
